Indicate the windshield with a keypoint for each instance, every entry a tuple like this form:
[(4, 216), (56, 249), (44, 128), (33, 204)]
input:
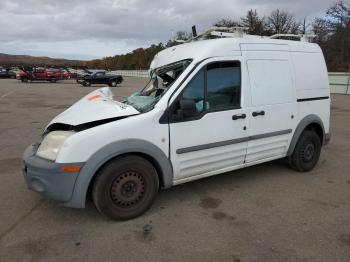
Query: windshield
[(161, 80)]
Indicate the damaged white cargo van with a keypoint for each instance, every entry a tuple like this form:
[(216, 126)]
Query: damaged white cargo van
[(210, 107)]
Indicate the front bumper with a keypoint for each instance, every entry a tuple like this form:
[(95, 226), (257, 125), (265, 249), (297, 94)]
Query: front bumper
[(46, 177)]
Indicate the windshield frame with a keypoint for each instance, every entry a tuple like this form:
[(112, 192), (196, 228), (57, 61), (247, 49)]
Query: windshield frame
[(154, 75)]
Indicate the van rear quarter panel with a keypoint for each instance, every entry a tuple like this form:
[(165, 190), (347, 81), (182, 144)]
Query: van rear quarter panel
[(311, 81)]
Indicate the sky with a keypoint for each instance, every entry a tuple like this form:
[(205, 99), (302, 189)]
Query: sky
[(87, 29)]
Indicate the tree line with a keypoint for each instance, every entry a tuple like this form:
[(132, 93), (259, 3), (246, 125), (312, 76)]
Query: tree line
[(332, 33)]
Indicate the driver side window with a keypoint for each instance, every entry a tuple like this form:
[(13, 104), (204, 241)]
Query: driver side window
[(216, 87), (195, 91)]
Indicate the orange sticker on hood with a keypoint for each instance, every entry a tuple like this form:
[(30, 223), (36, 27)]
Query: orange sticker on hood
[(94, 97)]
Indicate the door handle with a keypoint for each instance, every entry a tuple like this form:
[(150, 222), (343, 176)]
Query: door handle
[(258, 113), (241, 116)]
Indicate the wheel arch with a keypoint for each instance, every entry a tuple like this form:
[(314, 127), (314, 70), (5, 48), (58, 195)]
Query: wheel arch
[(310, 122), (114, 150)]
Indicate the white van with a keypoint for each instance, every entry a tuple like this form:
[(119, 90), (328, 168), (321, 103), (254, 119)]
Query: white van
[(211, 106)]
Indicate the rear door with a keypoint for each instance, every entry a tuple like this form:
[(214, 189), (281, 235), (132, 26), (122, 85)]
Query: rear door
[(40, 74), (273, 104), (213, 141), (99, 78)]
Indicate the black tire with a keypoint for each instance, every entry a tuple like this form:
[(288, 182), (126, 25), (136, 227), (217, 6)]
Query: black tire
[(86, 83), (125, 187), (53, 80), (306, 152), (13, 77), (24, 80)]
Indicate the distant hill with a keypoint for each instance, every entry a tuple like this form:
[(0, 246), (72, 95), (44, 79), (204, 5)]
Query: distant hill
[(26, 60), (137, 59)]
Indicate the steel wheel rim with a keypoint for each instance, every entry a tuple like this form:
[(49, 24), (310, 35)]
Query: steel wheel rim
[(309, 152), (127, 189)]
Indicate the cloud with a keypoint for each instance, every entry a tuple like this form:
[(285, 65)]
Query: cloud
[(95, 28)]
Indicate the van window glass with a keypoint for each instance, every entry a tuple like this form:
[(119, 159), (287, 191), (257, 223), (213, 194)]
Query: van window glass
[(195, 91), (270, 81), (216, 86), (223, 85)]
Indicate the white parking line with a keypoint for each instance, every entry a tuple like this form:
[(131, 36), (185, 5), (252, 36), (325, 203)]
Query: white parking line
[(7, 94)]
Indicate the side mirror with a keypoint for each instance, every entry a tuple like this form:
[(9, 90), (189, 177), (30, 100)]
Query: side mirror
[(187, 108)]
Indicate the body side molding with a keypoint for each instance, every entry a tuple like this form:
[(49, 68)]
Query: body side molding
[(231, 142), (312, 99), (99, 158)]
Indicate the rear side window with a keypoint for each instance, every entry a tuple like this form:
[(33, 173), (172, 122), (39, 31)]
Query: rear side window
[(271, 82), (215, 87)]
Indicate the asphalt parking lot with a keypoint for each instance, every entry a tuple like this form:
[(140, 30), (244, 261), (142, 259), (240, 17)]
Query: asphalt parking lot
[(262, 213)]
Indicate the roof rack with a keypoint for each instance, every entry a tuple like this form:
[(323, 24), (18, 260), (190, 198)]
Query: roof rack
[(293, 37), (221, 32), (239, 32), (286, 37)]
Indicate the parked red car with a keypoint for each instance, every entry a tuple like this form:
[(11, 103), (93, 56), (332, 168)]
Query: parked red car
[(66, 74), (41, 74)]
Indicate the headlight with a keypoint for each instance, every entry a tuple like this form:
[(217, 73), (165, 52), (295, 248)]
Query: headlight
[(52, 144)]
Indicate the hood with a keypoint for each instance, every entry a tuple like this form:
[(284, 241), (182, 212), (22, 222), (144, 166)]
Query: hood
[(97, 105)]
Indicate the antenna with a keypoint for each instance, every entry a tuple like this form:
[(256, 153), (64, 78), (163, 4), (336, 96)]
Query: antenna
[(194, 31), (172, 35)]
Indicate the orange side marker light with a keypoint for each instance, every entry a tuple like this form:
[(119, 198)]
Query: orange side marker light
[(70, 169)]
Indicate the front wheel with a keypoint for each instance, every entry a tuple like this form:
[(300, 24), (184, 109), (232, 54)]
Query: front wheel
[(306, 152), (125, 188), (86, 83), (113, 83)]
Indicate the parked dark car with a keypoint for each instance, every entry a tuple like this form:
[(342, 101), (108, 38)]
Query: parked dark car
[(7, 73), (100, 78)]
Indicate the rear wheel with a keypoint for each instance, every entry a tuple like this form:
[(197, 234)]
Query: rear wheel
[(306, 152), (125, 188), (53, 80)]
